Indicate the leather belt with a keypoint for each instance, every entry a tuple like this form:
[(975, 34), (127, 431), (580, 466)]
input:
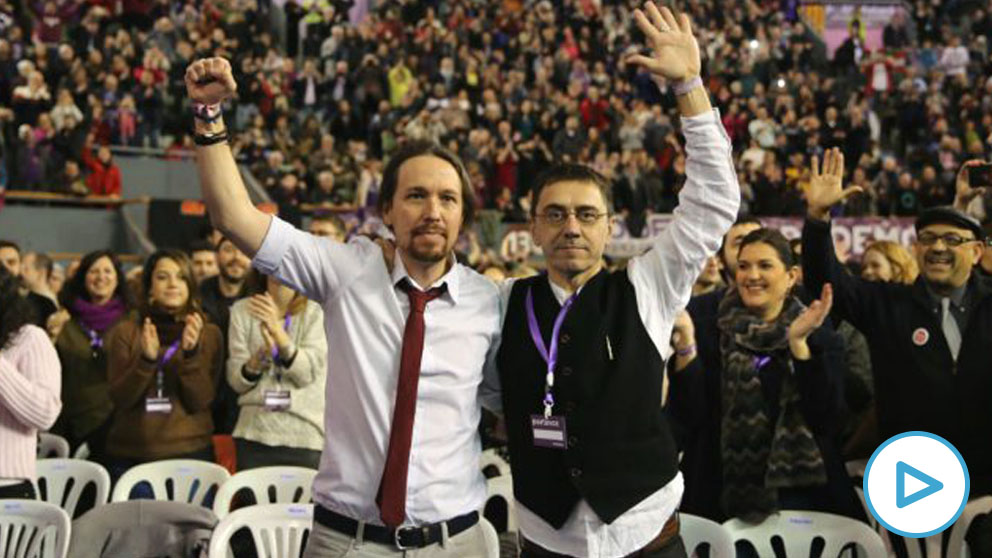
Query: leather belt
[(669, 533), (403, 537)]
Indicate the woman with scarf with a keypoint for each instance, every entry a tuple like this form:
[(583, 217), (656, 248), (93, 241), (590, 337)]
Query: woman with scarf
[(94, 300), (29, 389), (767, 408), (163, 369), (278, 367)]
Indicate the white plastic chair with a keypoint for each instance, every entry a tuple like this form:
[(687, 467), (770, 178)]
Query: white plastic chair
[(176, 480), (269, 485), (490, 457), (502, 487), (32, 529), (798, 529), (492, 539), (956, 547), (697, 530), (52, 445), (82, 452), (65, 479), (277, 529)]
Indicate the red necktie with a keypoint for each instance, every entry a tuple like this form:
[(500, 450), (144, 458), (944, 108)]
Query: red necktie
[(392, 488)]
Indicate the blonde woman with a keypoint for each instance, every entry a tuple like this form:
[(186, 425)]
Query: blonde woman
[(278, 367), (887, 261)]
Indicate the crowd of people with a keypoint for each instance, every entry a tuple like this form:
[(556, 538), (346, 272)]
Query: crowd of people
[(510, 86), (776, 362)]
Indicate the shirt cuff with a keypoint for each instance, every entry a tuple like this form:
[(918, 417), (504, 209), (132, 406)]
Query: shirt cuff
[(274, 247)]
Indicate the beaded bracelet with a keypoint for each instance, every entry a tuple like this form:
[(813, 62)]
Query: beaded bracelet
[(204, 140)]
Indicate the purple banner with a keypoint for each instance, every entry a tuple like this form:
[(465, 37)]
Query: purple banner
[(851, 235)]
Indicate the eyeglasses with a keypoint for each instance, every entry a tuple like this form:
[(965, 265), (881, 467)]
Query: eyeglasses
[(950, 239), (557, 216)]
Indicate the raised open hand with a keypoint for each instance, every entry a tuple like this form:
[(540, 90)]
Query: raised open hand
[(191, 333), (675, 52), (826, 187), (149, 340), (813, 316)]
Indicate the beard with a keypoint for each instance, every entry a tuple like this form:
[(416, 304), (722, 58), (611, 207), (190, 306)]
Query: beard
[(428, 252), (239, 273)]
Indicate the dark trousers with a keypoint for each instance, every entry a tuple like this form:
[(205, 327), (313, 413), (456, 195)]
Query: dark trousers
[(252, 455), (20, 491)]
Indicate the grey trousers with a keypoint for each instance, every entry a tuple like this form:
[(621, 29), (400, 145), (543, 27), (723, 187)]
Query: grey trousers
[(327, 543)]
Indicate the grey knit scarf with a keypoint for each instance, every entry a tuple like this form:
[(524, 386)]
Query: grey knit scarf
[(760, 454)]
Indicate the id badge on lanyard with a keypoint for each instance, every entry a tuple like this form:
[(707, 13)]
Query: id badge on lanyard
[(548, 429), (96, 343), (278, 399), (160, 404)]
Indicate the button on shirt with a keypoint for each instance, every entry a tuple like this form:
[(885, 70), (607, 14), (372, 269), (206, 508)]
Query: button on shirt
[(365, 315), (662, 279)]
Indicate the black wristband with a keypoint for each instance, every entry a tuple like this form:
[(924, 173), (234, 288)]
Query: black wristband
[(204, 140)]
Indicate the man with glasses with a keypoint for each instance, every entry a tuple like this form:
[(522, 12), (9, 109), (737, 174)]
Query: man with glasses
[(595, 467), (929, 341)]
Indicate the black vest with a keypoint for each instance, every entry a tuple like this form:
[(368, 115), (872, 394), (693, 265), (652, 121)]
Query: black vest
[(607, 386)]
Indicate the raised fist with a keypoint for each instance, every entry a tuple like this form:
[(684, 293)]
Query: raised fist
[(210, 81)]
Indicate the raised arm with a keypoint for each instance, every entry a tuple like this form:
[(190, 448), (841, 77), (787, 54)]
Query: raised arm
[(209, 82), (709, 202), (853, 296)]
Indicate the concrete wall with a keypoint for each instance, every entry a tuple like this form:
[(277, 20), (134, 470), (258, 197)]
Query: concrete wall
[(158, 178), (65, 229)]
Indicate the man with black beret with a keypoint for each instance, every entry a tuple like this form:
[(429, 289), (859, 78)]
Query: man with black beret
[(929, 341)]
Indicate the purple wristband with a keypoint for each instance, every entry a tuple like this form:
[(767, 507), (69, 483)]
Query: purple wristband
[(685, 86), (686, 351)]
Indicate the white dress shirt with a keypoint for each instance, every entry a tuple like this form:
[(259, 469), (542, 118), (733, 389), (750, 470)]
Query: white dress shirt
[(662, 279), (365, 315)]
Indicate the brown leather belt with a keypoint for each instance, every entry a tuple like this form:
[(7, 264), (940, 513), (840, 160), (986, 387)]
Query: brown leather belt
[(669, 533)]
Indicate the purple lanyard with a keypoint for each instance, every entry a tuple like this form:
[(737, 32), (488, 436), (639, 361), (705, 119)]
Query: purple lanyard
[(549, 356), (285, 327), (160, 376), (96, 342), (275, 350)]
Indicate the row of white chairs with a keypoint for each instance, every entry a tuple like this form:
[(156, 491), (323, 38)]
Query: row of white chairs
[(43, 530), (62, 482), (32, 529)]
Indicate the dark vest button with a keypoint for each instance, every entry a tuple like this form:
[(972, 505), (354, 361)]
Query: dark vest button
[(566, 370), (570, 407), (576, 472), (564, 339), (573, 441)]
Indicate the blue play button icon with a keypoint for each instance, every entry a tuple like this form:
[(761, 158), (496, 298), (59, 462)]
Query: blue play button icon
[(892, 486), (902, 499)]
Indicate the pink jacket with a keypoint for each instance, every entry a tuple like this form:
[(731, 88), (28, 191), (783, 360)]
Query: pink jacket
[(30, 387)]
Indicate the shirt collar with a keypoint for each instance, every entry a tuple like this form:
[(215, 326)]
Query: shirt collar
[(561, 295), (451, 277), (956, 295)]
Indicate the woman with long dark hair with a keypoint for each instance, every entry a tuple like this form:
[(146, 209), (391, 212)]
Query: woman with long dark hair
[(29, 389), (94, 300), (765, 435), (163, 369)]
